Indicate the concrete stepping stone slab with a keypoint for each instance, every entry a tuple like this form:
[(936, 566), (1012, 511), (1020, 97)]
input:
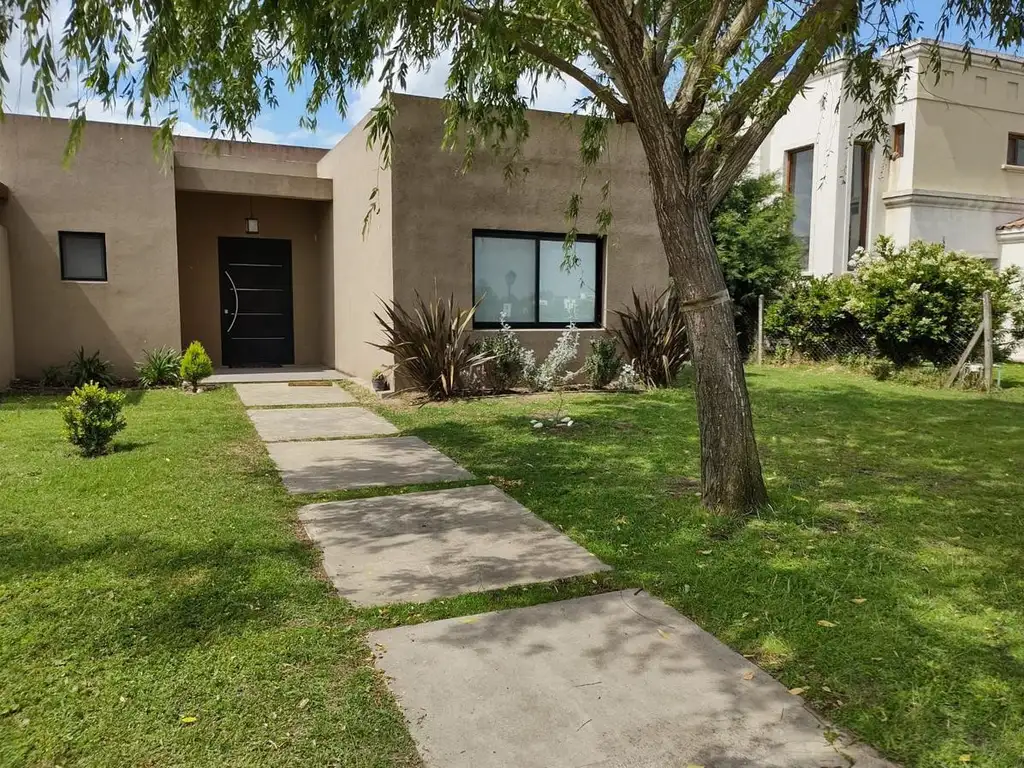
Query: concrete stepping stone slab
[(612, 680), (420, 546), (280, 373), (339, 465), (286, 394), (318, 423)]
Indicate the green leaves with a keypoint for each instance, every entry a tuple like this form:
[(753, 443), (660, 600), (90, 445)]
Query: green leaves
[(653, 334), (431, 344), (92, 416)]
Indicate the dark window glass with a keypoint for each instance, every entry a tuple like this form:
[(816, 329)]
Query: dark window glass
[(83, 256), (860, 178), (800, 183), (1015, 151), (524, 279)]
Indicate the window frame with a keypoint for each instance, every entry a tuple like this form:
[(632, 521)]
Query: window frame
[(1011, 147), (864, 149), (790, 169), (791, 166), (538, 238), (62, 236), (899, 139)]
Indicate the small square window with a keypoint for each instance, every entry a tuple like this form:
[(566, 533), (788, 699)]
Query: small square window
[(83, 256), (899, 135)]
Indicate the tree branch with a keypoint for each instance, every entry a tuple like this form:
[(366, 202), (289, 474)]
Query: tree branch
[(663, 37), (689, 99), (606, 95), (739, 152), (732, 115), (734, 36), (689, 103), (627, 42)]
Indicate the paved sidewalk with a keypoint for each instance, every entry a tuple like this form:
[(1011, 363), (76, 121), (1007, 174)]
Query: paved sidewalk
[(291, 394), (613, 680), (341, 465), (618, 680), (277, 424), (420, 546)]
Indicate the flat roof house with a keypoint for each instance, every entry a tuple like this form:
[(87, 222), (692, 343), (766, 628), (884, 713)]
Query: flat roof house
[(955, 173), (259, 251)]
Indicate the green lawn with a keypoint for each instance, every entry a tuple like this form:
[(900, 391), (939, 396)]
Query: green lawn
[(167, 580), (907, 500)]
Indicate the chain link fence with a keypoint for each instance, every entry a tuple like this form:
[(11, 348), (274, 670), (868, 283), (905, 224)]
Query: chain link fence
[(966, 356)]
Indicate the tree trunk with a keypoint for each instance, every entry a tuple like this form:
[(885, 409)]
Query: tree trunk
[(731, 480)]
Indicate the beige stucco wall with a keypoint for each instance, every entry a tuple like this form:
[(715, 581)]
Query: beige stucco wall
[(6, 315), (963, 121), (253, 150), (114, 186), (436, 209), (357, 268), (204, 217), (962, 148)]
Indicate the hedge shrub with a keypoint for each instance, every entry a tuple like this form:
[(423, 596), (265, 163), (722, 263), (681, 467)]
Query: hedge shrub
[(923, 303), (814, 319), (92, 416)]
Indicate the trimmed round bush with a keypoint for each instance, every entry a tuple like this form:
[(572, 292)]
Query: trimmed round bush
[(92, 416)]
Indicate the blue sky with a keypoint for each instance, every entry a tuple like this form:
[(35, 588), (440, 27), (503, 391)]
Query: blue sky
[(282, 124)]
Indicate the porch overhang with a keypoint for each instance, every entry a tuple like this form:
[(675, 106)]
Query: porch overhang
[(201, 172)]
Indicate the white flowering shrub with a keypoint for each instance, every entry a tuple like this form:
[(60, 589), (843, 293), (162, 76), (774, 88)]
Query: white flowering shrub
[(509, 363), (554, 372), (628, 379)]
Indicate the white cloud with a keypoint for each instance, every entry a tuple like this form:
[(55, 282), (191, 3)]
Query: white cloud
[(553, 95)]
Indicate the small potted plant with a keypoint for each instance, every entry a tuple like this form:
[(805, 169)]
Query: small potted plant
[(379, 381)]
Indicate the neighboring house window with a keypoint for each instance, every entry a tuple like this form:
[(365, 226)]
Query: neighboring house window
[(799, 183), (520, 276), (1015, 150), (899, 134), (83, 256), (860, 178)]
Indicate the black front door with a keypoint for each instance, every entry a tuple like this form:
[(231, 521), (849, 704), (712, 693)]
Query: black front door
[(256, 301)]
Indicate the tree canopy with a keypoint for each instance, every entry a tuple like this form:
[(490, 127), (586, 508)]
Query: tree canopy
[(704, 82), (729, 67)]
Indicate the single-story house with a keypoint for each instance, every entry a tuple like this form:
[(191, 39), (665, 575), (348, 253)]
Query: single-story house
[(259, 251)]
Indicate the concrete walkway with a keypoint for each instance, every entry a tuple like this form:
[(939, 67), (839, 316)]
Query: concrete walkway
[(609, 681), (291, 394), (617, 680), (286, 373), (277, 424), (420, 546)]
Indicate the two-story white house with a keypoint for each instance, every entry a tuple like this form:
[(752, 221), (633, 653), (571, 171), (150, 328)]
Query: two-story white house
[(955, 172)]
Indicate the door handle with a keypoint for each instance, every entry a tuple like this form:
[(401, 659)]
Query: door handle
[(235, 291)]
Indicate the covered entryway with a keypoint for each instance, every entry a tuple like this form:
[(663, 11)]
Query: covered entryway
[(257, 327), (281, 274)]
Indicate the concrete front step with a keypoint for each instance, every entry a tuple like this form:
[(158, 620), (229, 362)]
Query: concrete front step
[(278, 374)]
